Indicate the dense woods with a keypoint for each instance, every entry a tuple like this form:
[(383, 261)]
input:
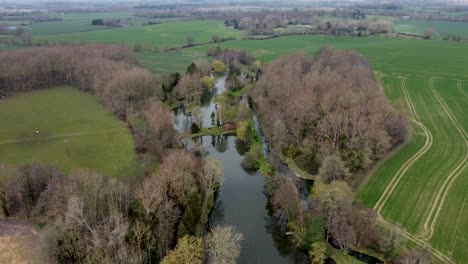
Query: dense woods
[(109, 71), (327, 112), (96, 219)]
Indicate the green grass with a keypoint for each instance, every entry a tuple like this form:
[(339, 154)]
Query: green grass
[(65, 116), (163, 35), (80, 22), (441, 28), (410, 204), (410, 57), (170, 62)]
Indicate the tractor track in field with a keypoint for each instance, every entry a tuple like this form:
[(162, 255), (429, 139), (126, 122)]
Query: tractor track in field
[(77, 134), (401, 172), (460, 89), (434, 214)]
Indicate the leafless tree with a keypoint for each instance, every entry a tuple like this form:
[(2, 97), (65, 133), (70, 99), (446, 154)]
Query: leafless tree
[(223, 244)]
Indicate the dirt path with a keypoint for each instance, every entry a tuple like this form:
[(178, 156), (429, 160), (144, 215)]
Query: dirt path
[(62, 136), (21, 243), (431, 219), (400, 173)]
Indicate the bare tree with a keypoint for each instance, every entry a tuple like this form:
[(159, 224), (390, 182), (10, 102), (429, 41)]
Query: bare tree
[(428, 33), (223, 244), (333, 168), (211, 179), (159, 130)]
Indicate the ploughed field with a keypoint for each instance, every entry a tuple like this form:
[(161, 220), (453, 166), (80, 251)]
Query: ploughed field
[(65, 127)]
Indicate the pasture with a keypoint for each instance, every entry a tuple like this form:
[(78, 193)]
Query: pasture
[(74, 130), (441, 28), (79, 22), (163, 35)]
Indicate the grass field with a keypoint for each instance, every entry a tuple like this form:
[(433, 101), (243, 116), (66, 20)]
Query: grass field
[(441, 28), (65, 116), (164, 63), (80, 22), (163, 35), (410, 57)]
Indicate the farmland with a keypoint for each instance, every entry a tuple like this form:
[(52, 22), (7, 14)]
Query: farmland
[(163, 35), (419, 189), (441, 28), (422, 178), (65, 118)]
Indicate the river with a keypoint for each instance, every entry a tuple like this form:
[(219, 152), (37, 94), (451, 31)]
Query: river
[(241, 201)]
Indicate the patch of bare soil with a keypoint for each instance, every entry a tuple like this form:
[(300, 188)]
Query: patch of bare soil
[(20, 242)]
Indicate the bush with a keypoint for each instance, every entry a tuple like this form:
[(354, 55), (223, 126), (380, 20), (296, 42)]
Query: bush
[(219, 66), (207, 82), (241, 130), (252, 158)]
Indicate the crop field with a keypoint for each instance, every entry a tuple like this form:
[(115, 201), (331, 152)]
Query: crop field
[(421, 187), (441, 28), (74, 130), (162, 35)]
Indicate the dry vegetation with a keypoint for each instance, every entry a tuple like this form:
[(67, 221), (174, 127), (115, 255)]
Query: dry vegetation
[(109, 71), (330, 105)]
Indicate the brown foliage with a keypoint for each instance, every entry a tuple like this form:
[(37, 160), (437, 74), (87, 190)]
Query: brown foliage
[(109, 71), (330, 104), (159, 133)]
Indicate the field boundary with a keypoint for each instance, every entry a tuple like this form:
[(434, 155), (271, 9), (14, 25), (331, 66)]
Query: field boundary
[(62, 136)]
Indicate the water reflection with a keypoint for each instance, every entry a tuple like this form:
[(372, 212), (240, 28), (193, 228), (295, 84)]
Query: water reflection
[(241, 201)]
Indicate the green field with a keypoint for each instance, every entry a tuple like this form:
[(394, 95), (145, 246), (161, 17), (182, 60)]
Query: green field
[(79, 22), (163, 35), (65, 116), (170, 62), (421, 187), (441, 28), (411, 57)]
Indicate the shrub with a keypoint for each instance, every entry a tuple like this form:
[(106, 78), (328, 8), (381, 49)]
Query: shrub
[(219, 66)]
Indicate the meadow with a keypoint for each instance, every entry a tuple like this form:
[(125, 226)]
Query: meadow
[(441, 28), (164, 35), (79, 22), (66, 119)]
